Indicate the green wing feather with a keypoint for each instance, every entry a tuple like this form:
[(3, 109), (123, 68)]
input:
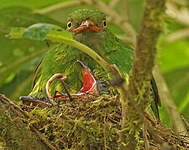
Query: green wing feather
[(118, 53), (122, 55)]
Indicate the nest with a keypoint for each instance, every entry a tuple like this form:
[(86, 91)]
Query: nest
[(95, 124)]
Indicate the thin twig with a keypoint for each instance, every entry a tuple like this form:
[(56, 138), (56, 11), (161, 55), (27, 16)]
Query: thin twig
[(185, 122), (113, 3), (124, 38), (146, 142), (66, 90), (168, 102), (180, 2), (57, 7), (181, 16), (178, 35), (43, 138), (122, 9)]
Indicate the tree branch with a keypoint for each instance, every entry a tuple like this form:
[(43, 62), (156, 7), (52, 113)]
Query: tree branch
[(113, 3), (181, 16), (183, 33), (15, 132), (138, 91), (57, 6), (168, 102)]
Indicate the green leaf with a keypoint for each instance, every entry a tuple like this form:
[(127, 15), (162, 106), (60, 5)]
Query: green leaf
[(39, 31), (4, 71), (59, 35), (17, 33)]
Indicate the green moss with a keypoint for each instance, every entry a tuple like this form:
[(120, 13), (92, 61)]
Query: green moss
[(94, 123), (81, 124)]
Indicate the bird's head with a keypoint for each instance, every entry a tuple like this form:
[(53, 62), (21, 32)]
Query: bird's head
[(86, 22)]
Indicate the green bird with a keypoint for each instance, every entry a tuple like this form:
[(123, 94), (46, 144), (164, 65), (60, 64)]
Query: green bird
[(89, 27)]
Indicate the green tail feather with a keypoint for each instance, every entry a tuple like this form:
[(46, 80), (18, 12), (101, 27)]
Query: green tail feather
[(156, 99)]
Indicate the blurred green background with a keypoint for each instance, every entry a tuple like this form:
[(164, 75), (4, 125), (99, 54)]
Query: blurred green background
[(19, 58)]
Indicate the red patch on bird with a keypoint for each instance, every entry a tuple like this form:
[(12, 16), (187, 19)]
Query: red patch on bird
[(88, 89), (89, 83)]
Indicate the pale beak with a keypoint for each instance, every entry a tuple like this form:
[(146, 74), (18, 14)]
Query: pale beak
[(83, 66), (87, 25)]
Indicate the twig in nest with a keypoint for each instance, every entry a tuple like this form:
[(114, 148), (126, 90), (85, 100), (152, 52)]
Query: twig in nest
[(66, 90), (185, 123), (58, 96)]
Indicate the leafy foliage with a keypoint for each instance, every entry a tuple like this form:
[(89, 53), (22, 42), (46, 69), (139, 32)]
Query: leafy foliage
[(29, 3), (39, 31), (14, 54)]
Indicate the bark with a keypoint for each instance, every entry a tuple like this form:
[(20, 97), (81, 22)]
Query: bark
[(17, 134), (138, 93)]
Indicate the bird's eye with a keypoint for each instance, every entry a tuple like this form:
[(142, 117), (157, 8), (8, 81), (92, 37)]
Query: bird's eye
[(104, 23), (69, 25)]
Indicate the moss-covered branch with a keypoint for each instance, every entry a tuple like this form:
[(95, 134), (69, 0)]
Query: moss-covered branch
[(139, 83), (14, 131)]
